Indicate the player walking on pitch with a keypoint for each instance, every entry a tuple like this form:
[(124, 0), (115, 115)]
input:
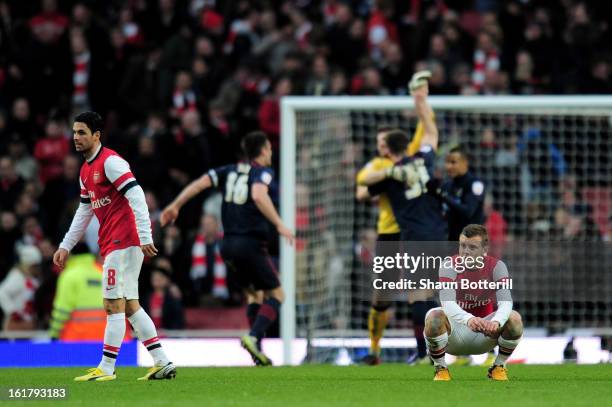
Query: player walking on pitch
[(110, 191), (245, 213), (468, 323)]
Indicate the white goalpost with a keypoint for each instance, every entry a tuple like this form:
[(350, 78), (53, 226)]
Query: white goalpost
[(546, 161)]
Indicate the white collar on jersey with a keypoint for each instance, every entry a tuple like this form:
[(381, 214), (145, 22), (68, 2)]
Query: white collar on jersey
[(93, 157)]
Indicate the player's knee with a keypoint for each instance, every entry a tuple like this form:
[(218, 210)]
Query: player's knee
[(276, 293), (435, 323), (514, 326), (114, 306)]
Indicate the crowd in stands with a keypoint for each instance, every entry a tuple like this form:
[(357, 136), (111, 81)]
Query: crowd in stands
[(179, 82)]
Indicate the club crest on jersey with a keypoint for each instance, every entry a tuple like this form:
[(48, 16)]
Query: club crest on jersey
[(96, 177)]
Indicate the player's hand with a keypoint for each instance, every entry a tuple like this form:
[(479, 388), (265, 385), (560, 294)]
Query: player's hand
[(149, 250), (405, 174), (168, 215), (491, 329), (476, 324), (418, 83), (59, 258), (286, 233)]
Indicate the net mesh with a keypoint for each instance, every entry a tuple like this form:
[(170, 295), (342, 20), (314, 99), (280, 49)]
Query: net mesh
[(548, 174)]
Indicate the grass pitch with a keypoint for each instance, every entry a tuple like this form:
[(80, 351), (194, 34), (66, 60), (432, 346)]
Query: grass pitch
[(322, 385)]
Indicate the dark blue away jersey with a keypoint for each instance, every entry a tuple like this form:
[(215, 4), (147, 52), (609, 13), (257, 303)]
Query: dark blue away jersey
[(418, 214), (239, 213)]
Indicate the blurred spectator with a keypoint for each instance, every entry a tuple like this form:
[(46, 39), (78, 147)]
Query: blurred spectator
[(599, 80), (346, 40), (394, 69), (183, 98), (189, 155), (269, 111), (338, 85), (318, 82), (49, 25), (50, 152), (17, 291), (25, 165), (11, 184), (21, 122), (486, 59), (82, 68), (223, 146), (208, 270), (149, 167), (163, 304), (61, 191)]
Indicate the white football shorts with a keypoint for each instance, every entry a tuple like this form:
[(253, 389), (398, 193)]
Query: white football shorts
[(120, 273)]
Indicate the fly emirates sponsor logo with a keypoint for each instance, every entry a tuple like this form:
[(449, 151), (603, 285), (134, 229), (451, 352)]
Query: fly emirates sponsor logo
[(98, 203)]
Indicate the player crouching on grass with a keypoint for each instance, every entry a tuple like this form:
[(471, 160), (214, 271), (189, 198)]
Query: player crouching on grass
[(467, 323)]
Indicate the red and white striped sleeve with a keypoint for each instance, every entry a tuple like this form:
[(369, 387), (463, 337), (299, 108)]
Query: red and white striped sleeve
[(118, 172)]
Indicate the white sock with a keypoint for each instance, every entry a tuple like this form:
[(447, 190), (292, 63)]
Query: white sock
[(437, 348), (506, 347), (113, 336), (145, 330)]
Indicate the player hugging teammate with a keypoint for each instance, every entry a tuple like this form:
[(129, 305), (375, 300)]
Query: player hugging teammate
[(419, 214)]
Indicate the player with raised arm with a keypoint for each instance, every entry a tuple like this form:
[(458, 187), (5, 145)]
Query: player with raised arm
[(418, 213), (110, 191), (246, 212), (387, 230), (473, 321)]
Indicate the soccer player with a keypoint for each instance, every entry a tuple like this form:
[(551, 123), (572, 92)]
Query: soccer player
[(468, 323), (387, 229), (418, 213), (245, 212), (110, 191)]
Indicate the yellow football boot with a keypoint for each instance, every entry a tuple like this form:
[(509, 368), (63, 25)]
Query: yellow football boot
[(160, 372), (442, 374), (497, 372), (95, 375)]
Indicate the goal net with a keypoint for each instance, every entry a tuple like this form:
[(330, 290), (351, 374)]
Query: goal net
[(547, 166)]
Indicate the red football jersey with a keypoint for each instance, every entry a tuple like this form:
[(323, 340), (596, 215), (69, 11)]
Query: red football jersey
[(102, 178), (478, 302)]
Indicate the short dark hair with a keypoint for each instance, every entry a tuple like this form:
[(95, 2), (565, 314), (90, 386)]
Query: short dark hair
[(461, 151), (473, 230), (92, 120), (252, 144), (397, 141)]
